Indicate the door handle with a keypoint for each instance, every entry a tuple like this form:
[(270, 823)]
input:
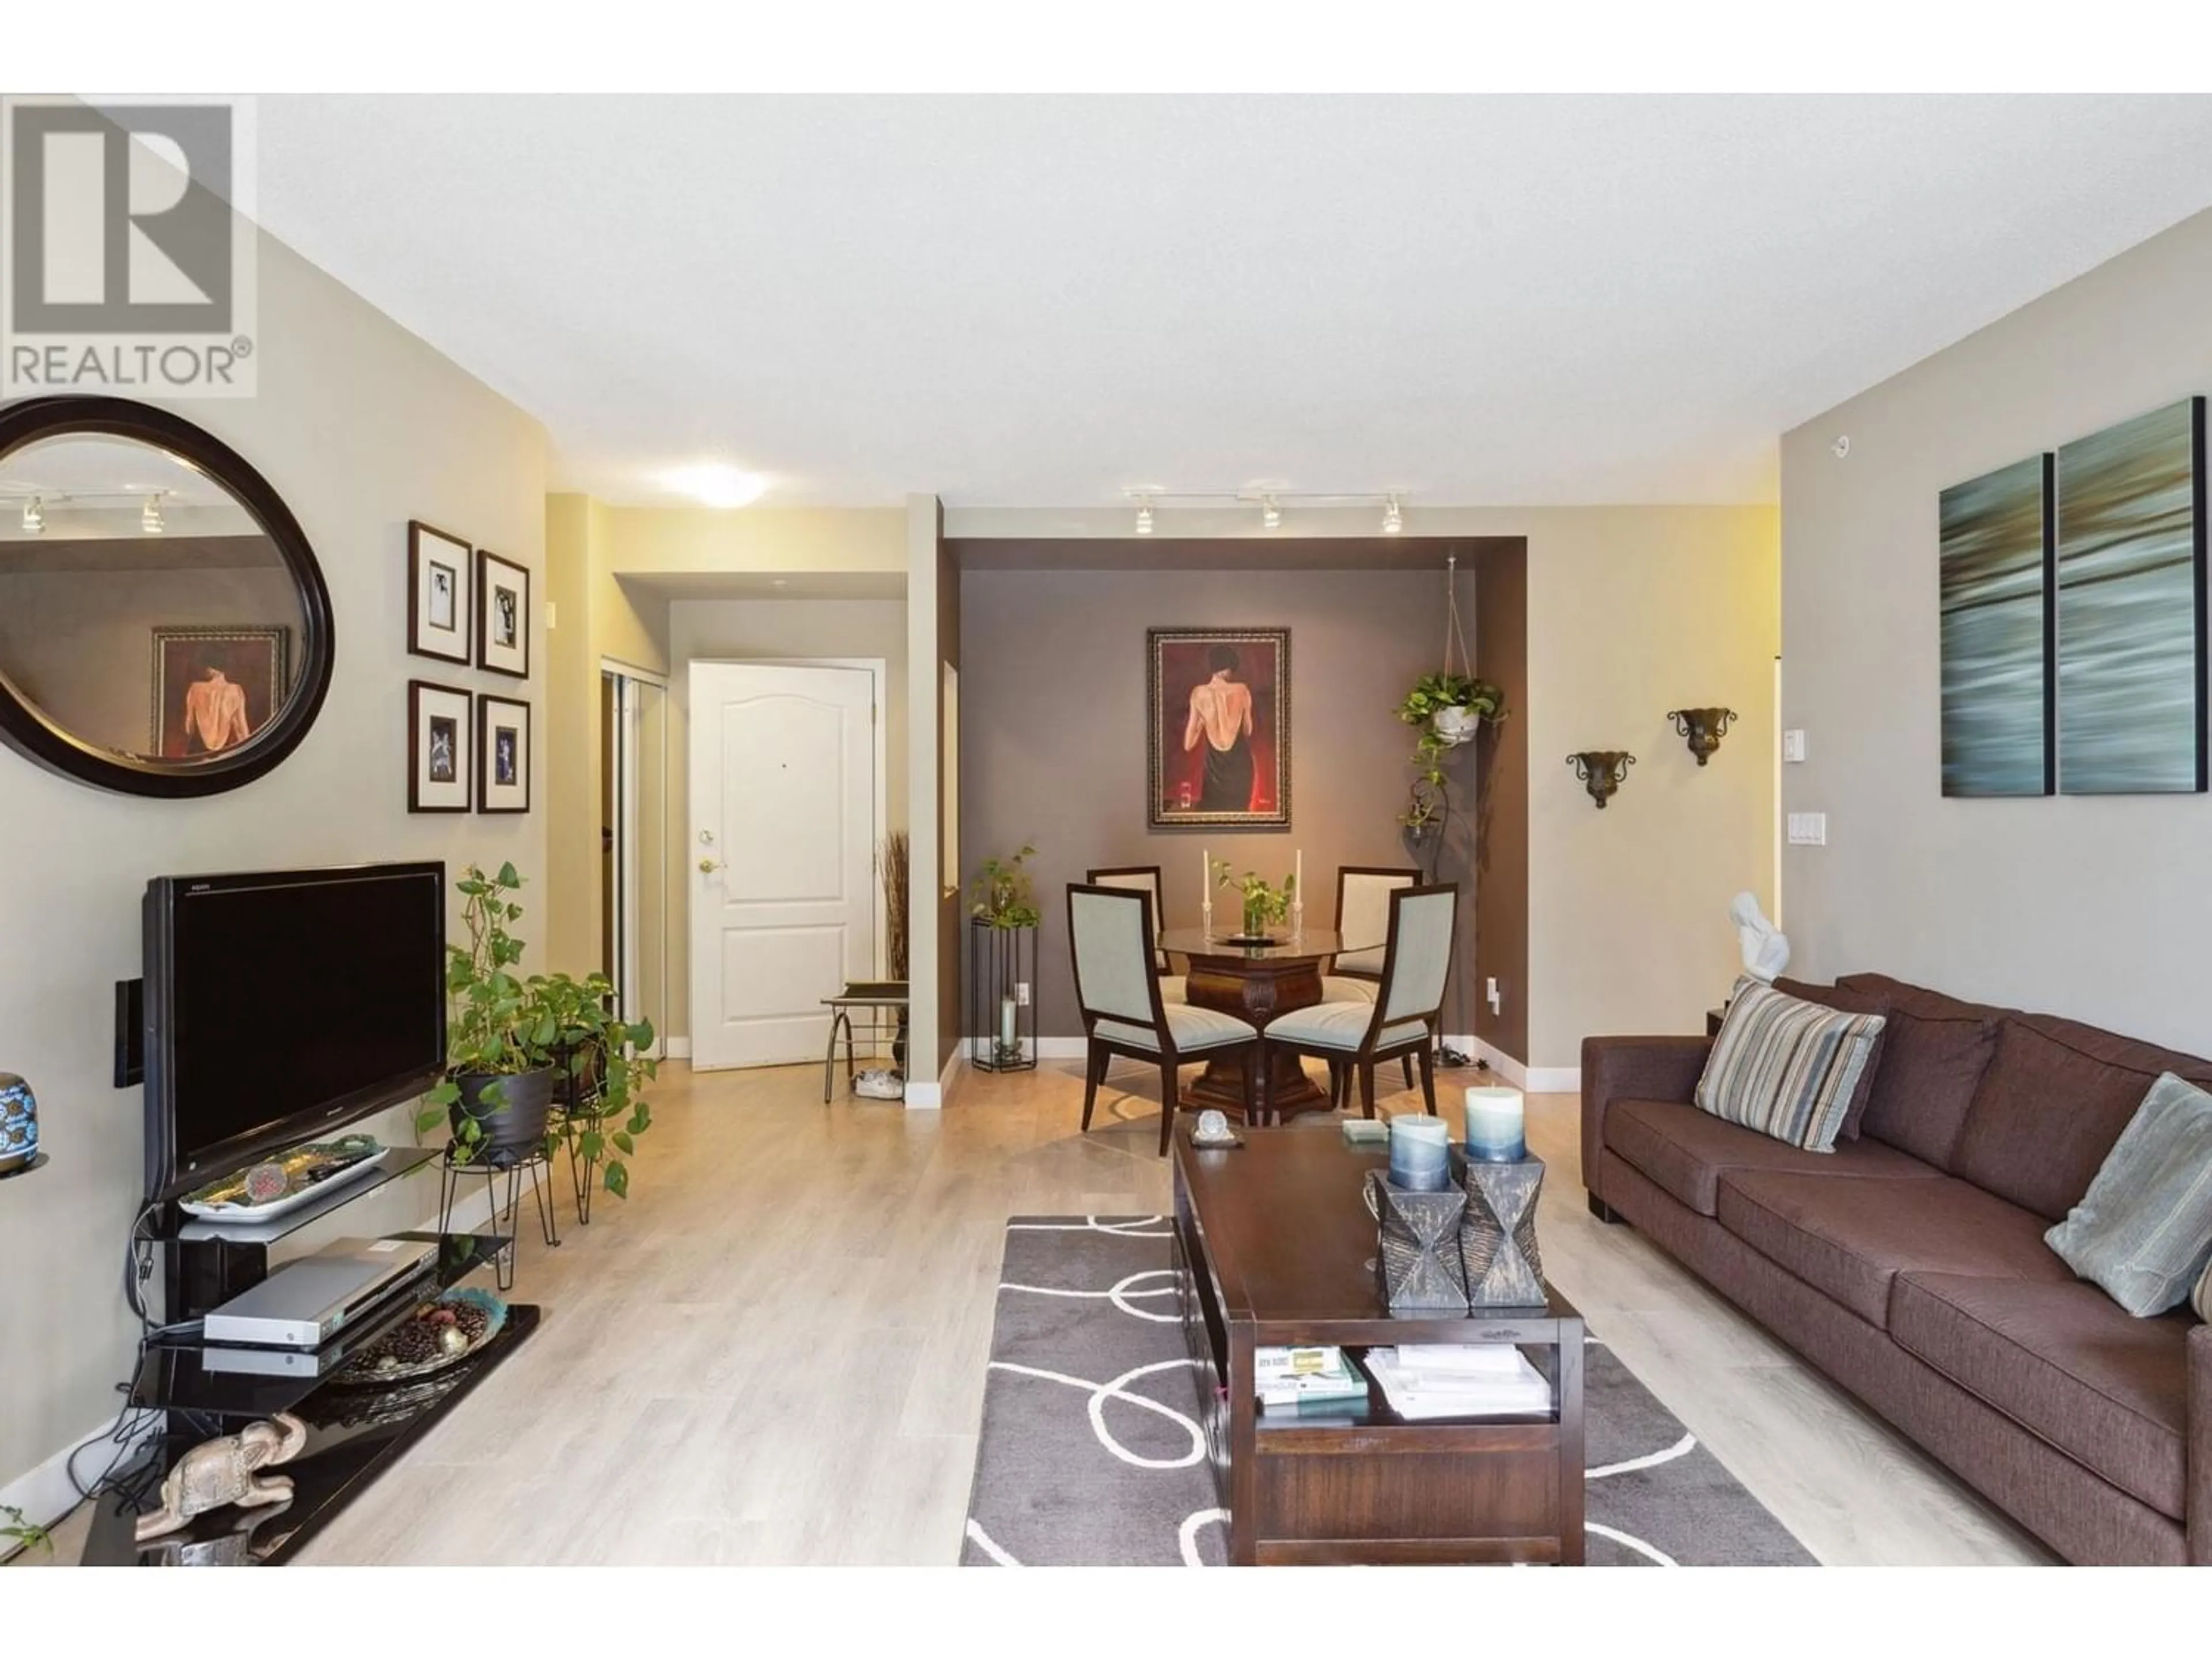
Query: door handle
[(708, 866)]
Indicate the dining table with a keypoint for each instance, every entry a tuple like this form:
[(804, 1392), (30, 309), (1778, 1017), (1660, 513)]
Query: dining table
[(1256, 980)]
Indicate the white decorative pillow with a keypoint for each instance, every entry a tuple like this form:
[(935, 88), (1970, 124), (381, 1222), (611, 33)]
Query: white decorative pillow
[(1787, 1067), (2143, 1232)]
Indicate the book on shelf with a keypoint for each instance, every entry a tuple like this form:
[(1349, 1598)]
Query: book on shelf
[(1308, 1406), (1272, 1363)]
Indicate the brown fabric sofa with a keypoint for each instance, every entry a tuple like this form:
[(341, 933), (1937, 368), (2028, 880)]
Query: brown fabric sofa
[(1909, 1264)]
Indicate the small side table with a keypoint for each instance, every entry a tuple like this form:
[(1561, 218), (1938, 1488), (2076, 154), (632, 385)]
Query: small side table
[(1713, 1018), (881, 1002)]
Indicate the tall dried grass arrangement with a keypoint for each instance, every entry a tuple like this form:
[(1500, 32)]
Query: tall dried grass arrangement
[(892, 859)]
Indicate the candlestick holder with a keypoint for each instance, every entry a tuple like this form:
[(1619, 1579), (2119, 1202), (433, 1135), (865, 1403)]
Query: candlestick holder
[(1498, 1233), (1418, 1259)]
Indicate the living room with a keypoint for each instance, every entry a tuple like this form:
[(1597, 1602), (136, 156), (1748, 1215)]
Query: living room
[(1663, 793)]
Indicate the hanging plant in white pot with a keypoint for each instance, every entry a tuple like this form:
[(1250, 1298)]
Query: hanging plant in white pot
[(1448, 707)]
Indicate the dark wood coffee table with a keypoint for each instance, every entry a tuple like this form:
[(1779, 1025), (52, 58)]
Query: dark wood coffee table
[(1274, 1245)]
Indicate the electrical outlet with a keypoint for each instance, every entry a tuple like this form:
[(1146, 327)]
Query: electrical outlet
[(1808, 828), (1492, 993), (1021, 994), (1793, 744)]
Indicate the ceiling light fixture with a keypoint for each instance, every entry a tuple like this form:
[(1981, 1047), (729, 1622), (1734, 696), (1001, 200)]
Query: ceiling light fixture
[(717, 484), (1145, 517), (1392, 519), (1271, 513), (34, 516), (149, 516)]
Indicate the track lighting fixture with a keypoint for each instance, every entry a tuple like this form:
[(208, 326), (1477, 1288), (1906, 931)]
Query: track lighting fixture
[(1145, 498), (149, 516), (34, 516)]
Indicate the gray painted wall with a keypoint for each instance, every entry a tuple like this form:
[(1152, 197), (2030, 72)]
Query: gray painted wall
[(2095, 906), (1052, 697)]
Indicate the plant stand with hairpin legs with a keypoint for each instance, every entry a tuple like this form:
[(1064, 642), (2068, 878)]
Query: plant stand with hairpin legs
[(457, 1167)]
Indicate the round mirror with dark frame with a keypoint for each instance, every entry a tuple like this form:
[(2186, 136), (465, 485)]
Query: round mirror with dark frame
[(164, 627)]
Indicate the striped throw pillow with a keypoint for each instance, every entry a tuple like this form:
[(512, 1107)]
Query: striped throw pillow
[(1787, 1067), (2204, 1303), (2143, 1231)]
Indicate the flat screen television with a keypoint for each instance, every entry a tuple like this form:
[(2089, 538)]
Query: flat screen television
[(281, 1006)]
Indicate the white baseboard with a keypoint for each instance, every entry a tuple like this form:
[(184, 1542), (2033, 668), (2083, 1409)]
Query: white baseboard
[(1074, 1047), (1530, 1079), (932, 1097)]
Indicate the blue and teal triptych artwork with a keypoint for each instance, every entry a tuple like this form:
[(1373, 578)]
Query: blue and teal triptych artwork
[(2073, 605)]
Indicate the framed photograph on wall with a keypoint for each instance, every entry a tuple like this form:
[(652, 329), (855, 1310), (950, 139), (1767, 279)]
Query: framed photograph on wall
[(214, 688), (502, 616), (502, 755), (438, 739), (1217, 710), (438, 593)]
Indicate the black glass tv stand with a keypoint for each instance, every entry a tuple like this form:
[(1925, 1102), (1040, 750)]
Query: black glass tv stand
[(353, 1433)]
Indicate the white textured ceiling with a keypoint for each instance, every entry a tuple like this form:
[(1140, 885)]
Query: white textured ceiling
[(1030, 302)]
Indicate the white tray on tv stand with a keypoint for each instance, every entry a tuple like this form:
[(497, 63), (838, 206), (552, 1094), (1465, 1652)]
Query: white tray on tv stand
[(254, 1215)]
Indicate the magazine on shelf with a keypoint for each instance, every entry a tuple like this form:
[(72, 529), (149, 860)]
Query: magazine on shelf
[(1422, 1384)]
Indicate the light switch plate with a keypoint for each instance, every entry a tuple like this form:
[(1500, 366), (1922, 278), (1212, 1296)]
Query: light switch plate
[(1793, 744), (1808, 828)]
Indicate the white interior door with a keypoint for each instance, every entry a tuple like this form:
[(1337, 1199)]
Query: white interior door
[(784, 799)]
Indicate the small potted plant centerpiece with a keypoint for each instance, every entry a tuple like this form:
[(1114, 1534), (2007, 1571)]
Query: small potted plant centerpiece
[(1265, 905), (514, 1044)]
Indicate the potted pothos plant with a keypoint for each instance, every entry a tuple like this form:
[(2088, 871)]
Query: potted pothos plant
[(1448, 707), (1004, 895), (516, 1043)]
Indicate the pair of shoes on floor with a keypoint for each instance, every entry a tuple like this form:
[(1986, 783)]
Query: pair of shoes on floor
[(879, 1084)]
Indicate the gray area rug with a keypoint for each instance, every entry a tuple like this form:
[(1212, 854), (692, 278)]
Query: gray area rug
[(1091, 1454)]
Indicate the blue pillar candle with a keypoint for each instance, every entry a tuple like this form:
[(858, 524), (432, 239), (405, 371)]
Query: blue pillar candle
[(18, 1124), (1420, 1152), (1495, 1126)]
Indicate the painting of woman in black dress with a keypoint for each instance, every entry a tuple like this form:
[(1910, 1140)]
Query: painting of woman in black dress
[(1219, 706)]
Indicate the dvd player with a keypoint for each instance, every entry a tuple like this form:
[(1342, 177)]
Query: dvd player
[(304, 1303)]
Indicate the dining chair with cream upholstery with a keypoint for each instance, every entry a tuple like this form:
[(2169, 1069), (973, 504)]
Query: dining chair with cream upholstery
[(1110, 933), (1353, 1035), (1146, 878), (1363, 923)]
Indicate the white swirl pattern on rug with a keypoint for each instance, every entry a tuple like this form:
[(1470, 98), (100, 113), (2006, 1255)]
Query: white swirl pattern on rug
[(1141, 1488)]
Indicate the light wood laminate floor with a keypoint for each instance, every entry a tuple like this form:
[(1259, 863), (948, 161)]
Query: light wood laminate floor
[(775, 1352)]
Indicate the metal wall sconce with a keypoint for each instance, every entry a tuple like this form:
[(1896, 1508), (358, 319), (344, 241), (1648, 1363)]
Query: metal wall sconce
[(1601, 771), (1703, 727)]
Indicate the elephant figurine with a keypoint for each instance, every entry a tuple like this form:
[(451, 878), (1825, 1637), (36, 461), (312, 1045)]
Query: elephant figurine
[(223, 1471)]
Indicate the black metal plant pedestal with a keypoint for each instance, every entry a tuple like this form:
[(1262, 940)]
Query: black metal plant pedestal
[(1002, 1005)]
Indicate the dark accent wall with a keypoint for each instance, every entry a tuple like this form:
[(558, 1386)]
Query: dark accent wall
[(1051, 693), (1501, 762), (948, 905)]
